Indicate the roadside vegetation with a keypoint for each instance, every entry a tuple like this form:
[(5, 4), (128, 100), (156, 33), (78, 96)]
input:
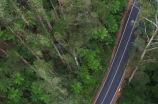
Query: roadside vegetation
[(55, 51), (142, 86)]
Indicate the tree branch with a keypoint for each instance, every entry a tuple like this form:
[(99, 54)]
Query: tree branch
[(146, 32), (4, 52), (152, 22), (152, 49), (23, 43), (25, 61)]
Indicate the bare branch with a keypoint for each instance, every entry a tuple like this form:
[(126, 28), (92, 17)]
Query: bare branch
[(76, 60), (143, 54), (24, 43), (152, 22), (25, 61), (146, 32), (156, 20), (54, 9), (152, 48), (136, 7), (4, 52)]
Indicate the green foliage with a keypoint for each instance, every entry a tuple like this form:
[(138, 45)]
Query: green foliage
[(139, 81), (52, 51), (14, 94), (1, 32), (155, 91), (6, 35), (139, 44), (4, 84), (92, 60), (17, 78), (84, 74), (77, 87), (100, 34), (112, 24)]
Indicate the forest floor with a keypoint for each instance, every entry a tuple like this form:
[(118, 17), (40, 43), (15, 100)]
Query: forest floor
[(118, 94)]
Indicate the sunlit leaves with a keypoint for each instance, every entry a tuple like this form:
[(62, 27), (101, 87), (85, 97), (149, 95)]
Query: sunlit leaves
[(113, 5), (31, 22), (6, 35), (92, 60), (36, 88), (100, 34), (56, 80), (84, 74), (18, 78), (77, 87), (3, 4), (43, 40), (14, 94), (146, 9), (112, 24), (80, 32)]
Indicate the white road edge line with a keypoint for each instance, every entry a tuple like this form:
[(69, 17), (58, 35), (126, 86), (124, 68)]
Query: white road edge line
[(116, 52), (119, 64), (117, 67), (121, 80), (118, 86)]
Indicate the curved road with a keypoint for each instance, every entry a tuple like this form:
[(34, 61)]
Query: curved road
[(116, 73)]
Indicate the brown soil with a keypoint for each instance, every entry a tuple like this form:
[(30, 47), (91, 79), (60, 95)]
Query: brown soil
[(112, 56)]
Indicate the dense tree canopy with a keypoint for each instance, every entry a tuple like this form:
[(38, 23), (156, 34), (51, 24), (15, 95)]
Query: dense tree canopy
[(55, 51)]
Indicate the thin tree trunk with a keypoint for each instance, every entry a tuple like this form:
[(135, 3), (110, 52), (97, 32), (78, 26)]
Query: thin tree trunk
[(143, 54), (64, 15), (54, 9), (20, 13), (24, 43), (37, 57), (25, 61), (76, 60), (146, 32), (4, 52)]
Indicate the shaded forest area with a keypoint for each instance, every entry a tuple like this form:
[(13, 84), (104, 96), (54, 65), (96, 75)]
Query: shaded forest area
[(142, 86), (55, 51)]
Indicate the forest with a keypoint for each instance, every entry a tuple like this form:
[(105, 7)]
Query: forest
[(142, 86), (57, 51)]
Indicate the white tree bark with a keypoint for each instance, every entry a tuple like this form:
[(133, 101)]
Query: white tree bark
[(143, 54)]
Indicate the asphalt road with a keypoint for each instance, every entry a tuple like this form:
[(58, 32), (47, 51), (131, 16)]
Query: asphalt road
[(115, 75)]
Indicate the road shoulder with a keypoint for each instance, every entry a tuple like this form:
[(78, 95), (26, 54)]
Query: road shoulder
[(113, 53)]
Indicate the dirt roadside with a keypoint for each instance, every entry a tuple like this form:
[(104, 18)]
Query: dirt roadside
[(112, 56)]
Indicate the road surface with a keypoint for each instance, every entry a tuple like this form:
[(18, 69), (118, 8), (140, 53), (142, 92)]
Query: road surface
[(116, 72)]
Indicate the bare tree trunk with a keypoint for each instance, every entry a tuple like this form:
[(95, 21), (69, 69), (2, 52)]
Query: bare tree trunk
[(24, 43), (25, 61), (54, 9), (4, 52), (20, 13), (64, 15), (37, 57), (76, 60), (143, 54)]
